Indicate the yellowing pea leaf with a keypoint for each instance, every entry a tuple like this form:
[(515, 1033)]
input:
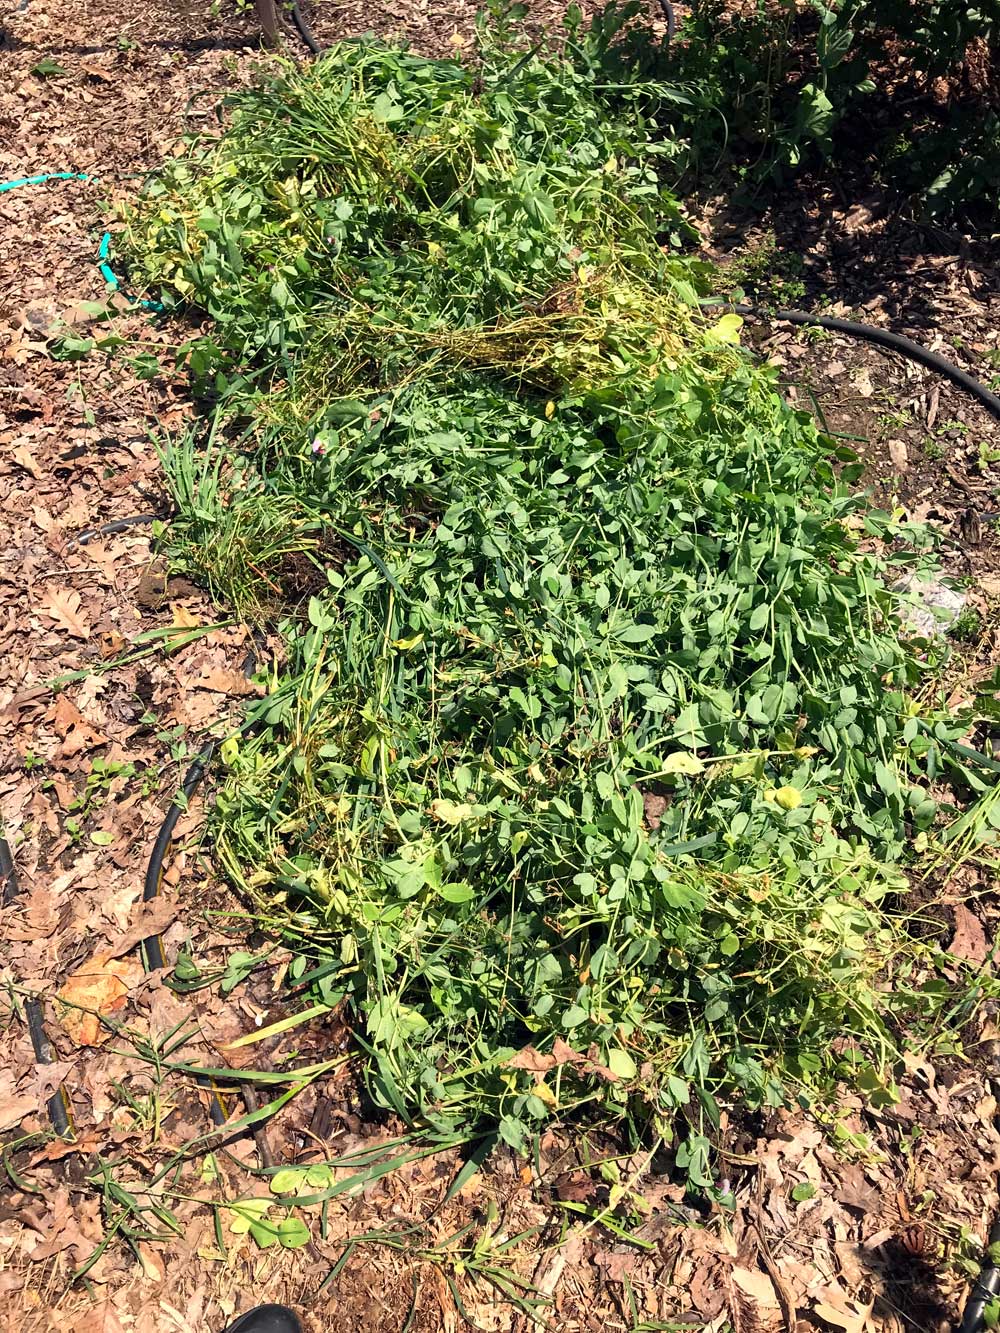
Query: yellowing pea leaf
[(683, 761), (752, 766), (789, 798), (244, 1213), (726, 330), (621, 1063), (450, 812)]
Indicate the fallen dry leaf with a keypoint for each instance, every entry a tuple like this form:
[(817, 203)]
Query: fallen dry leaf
[(842, 1312), (73, 728), (152, 1264), (617, 1265), (969, 939), (97, 988), (854, 1191), (23, 456), (14, 1105), (63, 606), (758, 1286), (184, 619), (223, 680), (932, 406), (148, 918), (898, 455)]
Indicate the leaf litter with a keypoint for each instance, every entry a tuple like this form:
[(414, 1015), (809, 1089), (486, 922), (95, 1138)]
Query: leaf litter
[(929, 1166)]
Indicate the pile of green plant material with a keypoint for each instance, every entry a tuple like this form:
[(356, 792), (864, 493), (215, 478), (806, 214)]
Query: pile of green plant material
[(597, 753)]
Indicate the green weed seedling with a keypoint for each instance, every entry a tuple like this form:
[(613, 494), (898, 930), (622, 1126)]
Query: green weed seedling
[(106, 776)]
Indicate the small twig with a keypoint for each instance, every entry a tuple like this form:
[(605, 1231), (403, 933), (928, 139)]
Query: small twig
[(785, 1298)]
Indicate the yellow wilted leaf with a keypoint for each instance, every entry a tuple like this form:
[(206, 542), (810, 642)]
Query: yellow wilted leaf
[(450, 812), (726, 330), (683, 761), (789, 798)]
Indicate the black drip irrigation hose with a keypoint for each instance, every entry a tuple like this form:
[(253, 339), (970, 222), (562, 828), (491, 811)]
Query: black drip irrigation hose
[(58, 1106), (106, 529), (151, 948), (8, 875), (894, 342), (985, 1290), (304, 30), (671, 17)]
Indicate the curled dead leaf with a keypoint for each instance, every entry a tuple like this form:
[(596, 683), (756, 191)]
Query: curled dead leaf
[(757, 1285), (72, 727), (532, 1060), (93, 991), (14, 1105), (535, 1062)]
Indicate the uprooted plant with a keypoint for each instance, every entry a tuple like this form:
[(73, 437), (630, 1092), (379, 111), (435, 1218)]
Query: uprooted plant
[(599, 753)]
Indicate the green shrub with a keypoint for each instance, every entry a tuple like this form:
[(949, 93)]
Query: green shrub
[(787, 79)]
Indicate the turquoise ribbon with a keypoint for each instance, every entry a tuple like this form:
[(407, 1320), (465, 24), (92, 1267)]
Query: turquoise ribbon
[(104, 250)]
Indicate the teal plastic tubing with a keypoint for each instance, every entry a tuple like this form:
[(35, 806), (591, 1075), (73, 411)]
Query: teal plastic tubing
[(104, 250)]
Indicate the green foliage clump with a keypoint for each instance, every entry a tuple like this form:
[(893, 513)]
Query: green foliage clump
[(799, 79), (597, 753)]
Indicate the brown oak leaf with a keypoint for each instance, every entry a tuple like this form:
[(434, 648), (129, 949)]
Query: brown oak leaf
[(63, 606)]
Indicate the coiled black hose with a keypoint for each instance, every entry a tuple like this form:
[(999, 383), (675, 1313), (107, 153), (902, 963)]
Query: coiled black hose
[(895, 342)]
